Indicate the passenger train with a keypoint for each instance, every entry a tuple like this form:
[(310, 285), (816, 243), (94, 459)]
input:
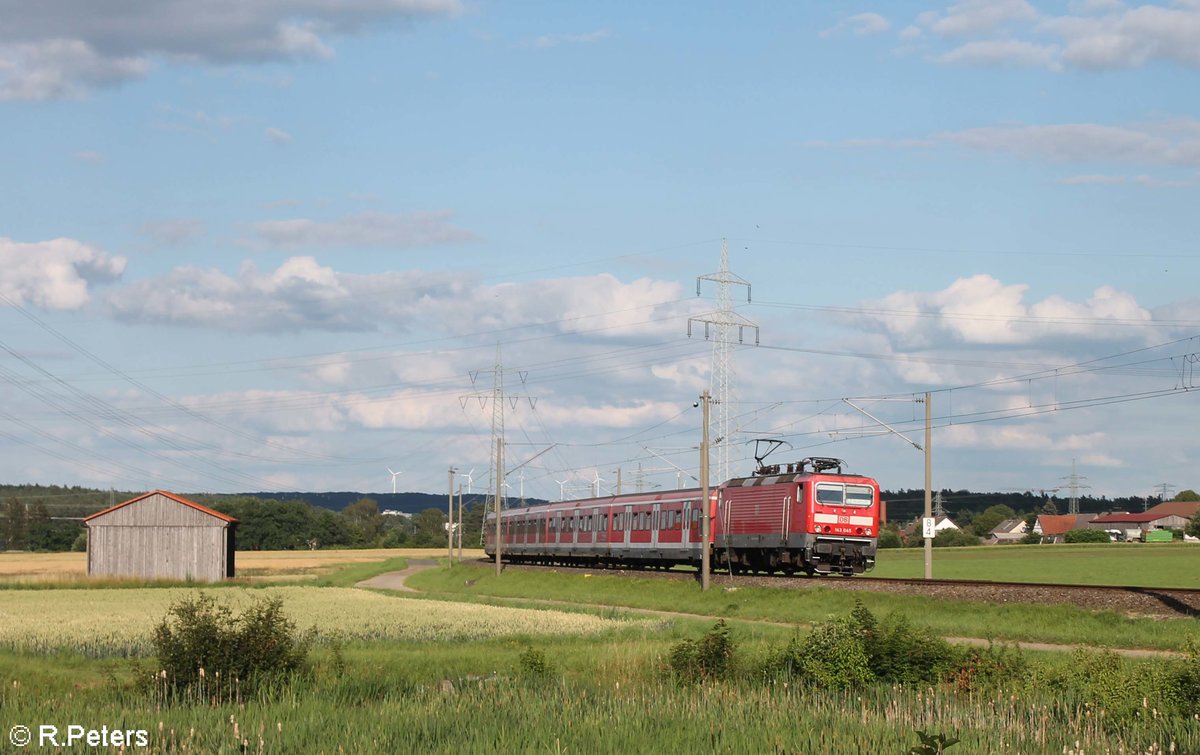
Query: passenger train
[(808, 516)]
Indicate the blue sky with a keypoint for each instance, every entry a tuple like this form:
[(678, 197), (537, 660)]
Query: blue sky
[(266, 245)]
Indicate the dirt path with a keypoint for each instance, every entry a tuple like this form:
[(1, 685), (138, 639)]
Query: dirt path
[(395, 581)]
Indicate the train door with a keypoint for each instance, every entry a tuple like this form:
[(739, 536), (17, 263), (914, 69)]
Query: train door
[(558, 531), (687, 523), (625, 527)]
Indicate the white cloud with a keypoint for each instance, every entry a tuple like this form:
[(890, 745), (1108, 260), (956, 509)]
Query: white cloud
[(1173, 143), (1081, 142), (90, 156), (61, 48), (992, 52), (860, 24), (971, 17), (368, 229), (59, 68), (1129, 39), (1095, 6), (1029, 437), (302, 295), (278, 135), (1092, 35), (55, 274), (981, 310)]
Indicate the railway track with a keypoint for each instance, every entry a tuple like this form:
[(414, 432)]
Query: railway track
[(1127, 600)]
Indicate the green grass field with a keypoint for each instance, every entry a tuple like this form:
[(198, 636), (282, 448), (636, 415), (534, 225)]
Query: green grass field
[(606, 687), (1126, 564), (1032, 623)]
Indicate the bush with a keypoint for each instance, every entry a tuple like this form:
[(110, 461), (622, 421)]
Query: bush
[(856, 650), (1193, 526), (1031, 538), (889, 539), (533, 665), (899, 652), (708, 658), (831, 656), (1183, 682), (953, 538), (989, 668), (204, 649), (1086, 536), (1102, 680)]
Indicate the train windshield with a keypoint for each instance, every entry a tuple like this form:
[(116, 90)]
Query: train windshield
[(859, 495), (838, 494)]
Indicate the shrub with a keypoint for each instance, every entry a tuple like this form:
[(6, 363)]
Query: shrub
[(532, 664), (831, 656), (989, 668), (708, 658), (889, 539), (1193, 526), (952, 538), (899, 652), (1086, 536), (859, 649), (203, 648), (1182, 691), (1031, 538)]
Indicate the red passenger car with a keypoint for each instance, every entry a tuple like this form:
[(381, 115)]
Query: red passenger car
[(807, 516)]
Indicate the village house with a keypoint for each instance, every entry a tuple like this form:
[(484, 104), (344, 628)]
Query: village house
[(1008, 531)]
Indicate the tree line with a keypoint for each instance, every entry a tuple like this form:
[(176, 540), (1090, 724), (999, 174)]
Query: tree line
[(46, 518)]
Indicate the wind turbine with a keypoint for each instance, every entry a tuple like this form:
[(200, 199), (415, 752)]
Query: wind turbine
[(470, 479), (596, 485), (394, 476), (561, 495)]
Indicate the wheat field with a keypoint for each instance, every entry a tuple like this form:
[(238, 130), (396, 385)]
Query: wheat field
[(18, 566), (120, 622)]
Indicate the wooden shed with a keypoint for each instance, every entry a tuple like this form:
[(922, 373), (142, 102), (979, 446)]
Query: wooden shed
[(160, 535)]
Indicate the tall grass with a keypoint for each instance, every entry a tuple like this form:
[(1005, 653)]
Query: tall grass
[(361, 712)]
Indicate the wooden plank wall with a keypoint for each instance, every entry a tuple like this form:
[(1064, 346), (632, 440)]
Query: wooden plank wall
[(157, 538)]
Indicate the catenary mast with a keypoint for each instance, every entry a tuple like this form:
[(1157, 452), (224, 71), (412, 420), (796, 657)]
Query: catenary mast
[(722, 322)]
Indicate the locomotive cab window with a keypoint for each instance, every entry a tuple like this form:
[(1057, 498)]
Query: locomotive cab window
[(859, 495), (839, 494)]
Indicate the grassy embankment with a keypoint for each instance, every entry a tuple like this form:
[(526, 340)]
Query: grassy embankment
[(1051, 624)]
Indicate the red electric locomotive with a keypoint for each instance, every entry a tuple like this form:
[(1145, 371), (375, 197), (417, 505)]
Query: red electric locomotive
[(807, 516)]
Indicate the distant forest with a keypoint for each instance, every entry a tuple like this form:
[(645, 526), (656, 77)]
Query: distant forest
[(46, 517)]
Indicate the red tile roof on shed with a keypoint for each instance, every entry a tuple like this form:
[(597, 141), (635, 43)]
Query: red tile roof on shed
[(1140, 518), (173, 497), (1057, 524)]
